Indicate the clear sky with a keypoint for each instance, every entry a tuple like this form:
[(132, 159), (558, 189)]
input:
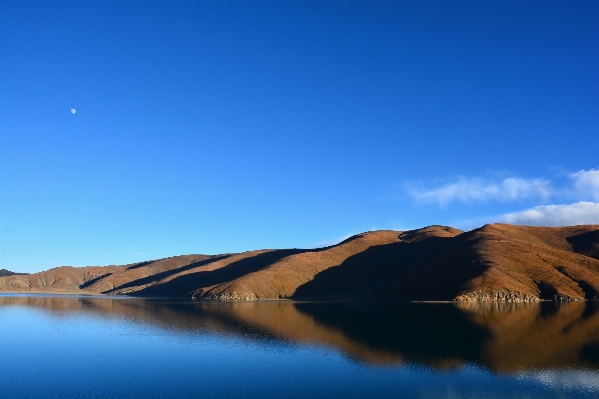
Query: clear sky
[(143, 129)]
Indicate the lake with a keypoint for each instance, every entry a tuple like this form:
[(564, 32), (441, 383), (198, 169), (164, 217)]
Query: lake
[(120, 347)]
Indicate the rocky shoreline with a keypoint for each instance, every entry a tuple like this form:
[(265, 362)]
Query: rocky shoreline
[(496, 296)]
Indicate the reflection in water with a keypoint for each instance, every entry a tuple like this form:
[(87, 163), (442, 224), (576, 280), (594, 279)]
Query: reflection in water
[(503, 338), (545, 335)]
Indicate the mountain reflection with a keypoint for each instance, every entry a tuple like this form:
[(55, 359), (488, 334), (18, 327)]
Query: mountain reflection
[(504, 338)]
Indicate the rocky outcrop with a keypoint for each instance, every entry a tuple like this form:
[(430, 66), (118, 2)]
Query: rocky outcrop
[(495, 296), (226, 296), (565, 298)]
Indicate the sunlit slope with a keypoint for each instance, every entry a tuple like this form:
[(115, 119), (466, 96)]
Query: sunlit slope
[(495, 262), (94, 279)]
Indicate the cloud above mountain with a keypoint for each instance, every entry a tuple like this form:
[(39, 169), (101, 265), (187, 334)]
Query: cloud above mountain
[(573, 201), (586, 183), (583, 212), (482, 190), (582, 185)]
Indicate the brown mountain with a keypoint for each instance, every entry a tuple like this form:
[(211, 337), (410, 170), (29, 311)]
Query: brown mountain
[(496, 262)]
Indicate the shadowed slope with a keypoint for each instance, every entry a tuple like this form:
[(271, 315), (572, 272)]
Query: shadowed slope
[(585, 243), (361, 275), (435, 272)]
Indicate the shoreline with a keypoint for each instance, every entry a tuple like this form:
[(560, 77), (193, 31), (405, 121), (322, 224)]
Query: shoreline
[(100, 295)]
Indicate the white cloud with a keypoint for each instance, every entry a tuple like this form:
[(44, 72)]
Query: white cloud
[(73, 110), (556, 215), (482, 190), (586, 183), (583, 186)]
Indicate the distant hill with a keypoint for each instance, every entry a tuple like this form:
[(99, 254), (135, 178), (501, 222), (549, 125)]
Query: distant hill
[(496, 262), (4, 272)]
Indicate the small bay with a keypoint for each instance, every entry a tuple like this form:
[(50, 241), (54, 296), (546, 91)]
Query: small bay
[(121, 347)]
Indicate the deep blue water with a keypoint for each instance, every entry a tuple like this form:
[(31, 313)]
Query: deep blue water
[(84, 347)]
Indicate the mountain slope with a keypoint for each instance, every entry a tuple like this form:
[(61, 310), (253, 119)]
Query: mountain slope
[(505, 262)]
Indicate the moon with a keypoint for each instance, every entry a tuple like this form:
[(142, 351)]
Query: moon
[(73, 110)]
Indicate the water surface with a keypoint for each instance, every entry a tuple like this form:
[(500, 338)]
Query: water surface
[(91, 347)]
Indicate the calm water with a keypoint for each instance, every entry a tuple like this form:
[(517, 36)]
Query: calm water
[(84, 347)]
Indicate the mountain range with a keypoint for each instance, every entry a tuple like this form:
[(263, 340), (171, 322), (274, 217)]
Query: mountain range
[(496, 262)]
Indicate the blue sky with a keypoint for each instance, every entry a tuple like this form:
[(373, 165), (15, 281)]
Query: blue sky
[(212, 127)]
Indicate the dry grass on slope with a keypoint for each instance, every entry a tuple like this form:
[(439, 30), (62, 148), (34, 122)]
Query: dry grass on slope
[(540, 262)]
